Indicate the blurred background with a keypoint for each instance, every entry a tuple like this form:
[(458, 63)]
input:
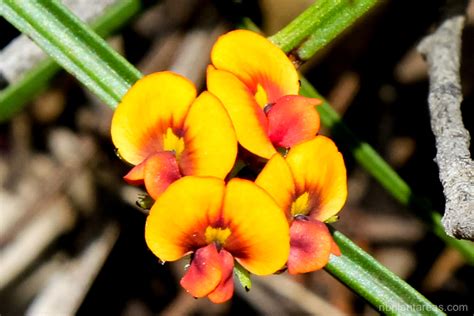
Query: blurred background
[(71, 236)]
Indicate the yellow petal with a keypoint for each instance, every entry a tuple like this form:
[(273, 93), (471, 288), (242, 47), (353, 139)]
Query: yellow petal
[(209, 138), (178, 219), (260, 232), (277, 180), (318, 168), (248, 118), (153, 104), (256, 61)]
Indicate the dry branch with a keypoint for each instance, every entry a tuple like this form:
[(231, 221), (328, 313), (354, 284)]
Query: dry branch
[(308, 301), (67, 288), (442, 50), (34, 238)]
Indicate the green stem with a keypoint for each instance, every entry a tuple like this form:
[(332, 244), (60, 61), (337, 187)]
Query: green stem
[(16, 95), (318, 25), (371, 161), (385, 291), (74, 46), (335, 24), (305, 24)]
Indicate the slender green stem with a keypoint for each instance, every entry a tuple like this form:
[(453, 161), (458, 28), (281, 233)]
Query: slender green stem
[(16, 95), (385, 291), (74, 46), (318, 25), (305, 24), (335, 24), (371, 161)]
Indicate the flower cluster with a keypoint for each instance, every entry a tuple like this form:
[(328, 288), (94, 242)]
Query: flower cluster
[(183, 147)]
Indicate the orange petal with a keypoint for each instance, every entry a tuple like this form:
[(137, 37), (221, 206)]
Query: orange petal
[(153, 104), (209, 137), (335, 248), (225, 289), (160, 171), (205, 272), (259, 237), (136, 175), (293, 119), (310, 246), (276, 179), (256, 61), (248, 118), (318, 168), (179, 217)]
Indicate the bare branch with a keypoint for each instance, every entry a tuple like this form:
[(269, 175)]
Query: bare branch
[(442, 50)]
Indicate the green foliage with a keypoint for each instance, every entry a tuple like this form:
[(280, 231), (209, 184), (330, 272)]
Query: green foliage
[(72, 45), (319, 25), (243, 276), (375, 283)]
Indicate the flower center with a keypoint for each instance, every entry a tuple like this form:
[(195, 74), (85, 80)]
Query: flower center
[(300, 206), (261, 96), (171, 142), (217, 235)]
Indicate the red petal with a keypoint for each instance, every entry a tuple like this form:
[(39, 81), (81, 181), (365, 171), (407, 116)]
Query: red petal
[(136, 175), (292, 120), (310, 246), (225, 289), (161, 170), (204, 274)]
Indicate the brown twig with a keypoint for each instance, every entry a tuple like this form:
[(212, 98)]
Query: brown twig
[(442, 50)]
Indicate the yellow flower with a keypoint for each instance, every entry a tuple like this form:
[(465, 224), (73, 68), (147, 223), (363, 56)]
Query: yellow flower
[(217, 224), (259, 86), (310, 186), (162, 129)]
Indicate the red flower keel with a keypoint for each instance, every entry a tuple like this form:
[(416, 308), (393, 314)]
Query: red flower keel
[(310, 246), (136, 175), (204, 274), (225, 289), (160, 171), (210, 274), (292, 120)]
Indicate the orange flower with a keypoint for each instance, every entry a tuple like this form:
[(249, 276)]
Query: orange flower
[(166, 132), (259, 86), (310, 187), (217, 224)]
